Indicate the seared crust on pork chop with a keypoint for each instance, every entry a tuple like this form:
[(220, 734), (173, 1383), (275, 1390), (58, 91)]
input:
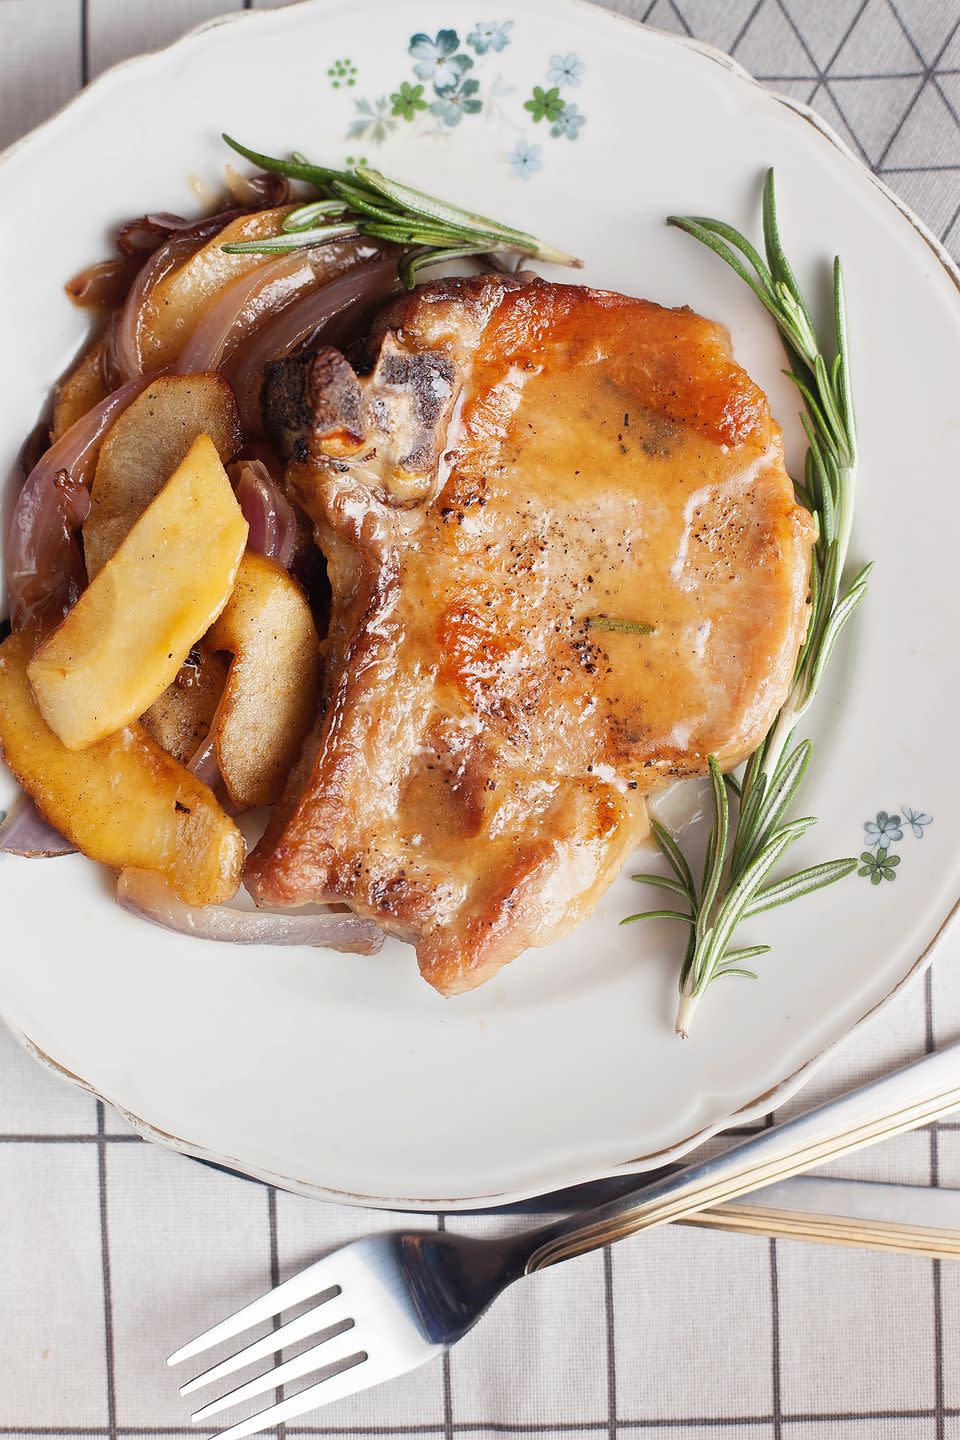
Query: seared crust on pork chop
[(525, 468)]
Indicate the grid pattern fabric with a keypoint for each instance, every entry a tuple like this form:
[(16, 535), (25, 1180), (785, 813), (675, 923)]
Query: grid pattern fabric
[(112, 1252)]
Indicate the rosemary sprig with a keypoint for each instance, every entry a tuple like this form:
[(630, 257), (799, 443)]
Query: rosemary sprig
[(742, 853), (362, 201)]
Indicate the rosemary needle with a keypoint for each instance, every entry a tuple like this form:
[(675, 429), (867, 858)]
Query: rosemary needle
[(743, 850), (621, 627), (362, 201)]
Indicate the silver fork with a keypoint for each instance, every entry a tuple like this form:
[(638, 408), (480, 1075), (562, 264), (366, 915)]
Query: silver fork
[(385, 1305)]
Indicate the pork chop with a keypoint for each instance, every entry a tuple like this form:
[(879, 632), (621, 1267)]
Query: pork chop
[(567, 566)]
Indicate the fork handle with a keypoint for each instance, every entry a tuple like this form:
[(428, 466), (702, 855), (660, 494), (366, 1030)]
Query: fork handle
[(903, 1100)]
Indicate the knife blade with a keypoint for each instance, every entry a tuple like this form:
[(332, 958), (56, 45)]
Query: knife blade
[(918, 1219), (867, 1214)]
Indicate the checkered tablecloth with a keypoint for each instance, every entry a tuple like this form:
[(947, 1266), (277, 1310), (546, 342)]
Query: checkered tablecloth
[(112, 1252)]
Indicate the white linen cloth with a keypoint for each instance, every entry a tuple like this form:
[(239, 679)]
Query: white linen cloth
[(112, 1252)]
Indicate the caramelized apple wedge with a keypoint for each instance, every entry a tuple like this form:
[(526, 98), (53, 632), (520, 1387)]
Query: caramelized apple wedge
[(133, 627), (122, 801), (84, 387), (182, 298), (180, 720), (145, 445), (270, 699)]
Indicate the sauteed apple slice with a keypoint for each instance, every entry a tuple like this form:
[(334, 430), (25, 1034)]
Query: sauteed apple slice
[(180, 720), (131, 630), (181, 298), (270, 700), (122, 801), (83, 388), (144, 447)]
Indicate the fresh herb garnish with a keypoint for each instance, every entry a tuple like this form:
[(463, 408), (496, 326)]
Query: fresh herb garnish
[(620, 627), (742, 853), (362, 201)]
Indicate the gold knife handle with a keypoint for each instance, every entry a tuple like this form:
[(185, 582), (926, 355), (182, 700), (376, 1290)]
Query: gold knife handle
[(933, 1242), (903, 1100)]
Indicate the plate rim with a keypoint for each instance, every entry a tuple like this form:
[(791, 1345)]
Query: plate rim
[(775, 1095)]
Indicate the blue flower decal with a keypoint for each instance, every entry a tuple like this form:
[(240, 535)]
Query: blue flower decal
[(877, 862), (437, 60), (568, 122), (489, 35), (454, 104), (917, 820), (565, 70), (525, 160), (884, 831), (451, 77)]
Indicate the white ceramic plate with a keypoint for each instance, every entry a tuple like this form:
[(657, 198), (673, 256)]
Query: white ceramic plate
[(348, 1077)]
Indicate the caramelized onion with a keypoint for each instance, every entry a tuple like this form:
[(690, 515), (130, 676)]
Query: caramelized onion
[(44, 567), (267, 511), (252, 299), (148, 895), (140, 236), (108, 283), (25, 832), (259, 192), (102, 285), (125, 351), (241, 306), (349, 299), (33, 448), (203, 762)]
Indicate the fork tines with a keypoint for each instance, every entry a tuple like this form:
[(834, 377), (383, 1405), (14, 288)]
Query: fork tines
[(365, 1313), (337, 1347)]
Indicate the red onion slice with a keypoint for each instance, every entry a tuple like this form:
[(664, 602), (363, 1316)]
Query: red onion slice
[(25, 832), (241, 306), (261, 293), (125, 350), (147, 894), (271, 518), (102, 286), (44, 567), (356, 291), (141, 236), (108, 283), (203, 763), (258, 192)]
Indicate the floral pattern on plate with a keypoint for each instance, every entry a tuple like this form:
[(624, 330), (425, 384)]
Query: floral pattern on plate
[(342, 73), (879, 861), (452, 79), (562, 115), (443, 86)]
